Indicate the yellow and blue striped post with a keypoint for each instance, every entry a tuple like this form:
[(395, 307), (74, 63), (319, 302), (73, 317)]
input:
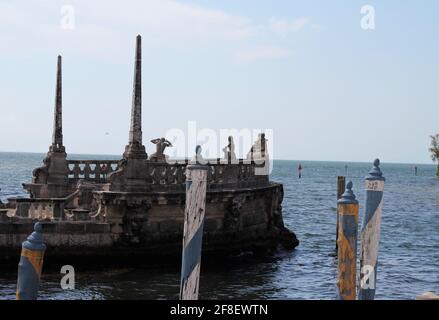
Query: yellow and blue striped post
[(370, 232), (30, 265), (347, 244), (196, 184), (341, 188)]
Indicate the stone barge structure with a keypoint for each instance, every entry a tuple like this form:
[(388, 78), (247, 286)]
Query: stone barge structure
[(134, 208)]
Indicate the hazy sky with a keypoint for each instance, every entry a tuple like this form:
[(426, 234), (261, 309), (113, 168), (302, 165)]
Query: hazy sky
[(328, 89)]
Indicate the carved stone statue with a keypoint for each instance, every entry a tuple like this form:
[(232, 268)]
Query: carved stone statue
[(41, 174), (258, 150), (161, 145), (229, 150), (198, 158)]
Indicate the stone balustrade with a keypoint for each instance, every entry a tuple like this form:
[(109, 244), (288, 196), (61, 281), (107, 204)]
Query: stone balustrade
[(39, 209), (42, 208), (221, 174), (240, 175), (163, 177), (91, 170)]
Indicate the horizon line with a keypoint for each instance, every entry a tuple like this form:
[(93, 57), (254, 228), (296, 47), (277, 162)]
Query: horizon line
[(276, 159)]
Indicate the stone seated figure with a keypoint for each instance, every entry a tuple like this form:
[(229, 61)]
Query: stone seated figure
[(258, 150), (161, 145), (41, 174), (229, 151), (198, 158)]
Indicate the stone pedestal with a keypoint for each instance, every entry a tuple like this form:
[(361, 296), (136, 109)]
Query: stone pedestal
[(132, 177), (58, 169), (48, 190)]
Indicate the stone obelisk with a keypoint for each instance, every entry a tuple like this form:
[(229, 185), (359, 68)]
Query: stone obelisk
[(135, 149), (133, 173), (51, 179), (57, 166), (57, 138)]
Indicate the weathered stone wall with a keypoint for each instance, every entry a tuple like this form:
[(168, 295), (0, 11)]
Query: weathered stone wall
[(236, 220)]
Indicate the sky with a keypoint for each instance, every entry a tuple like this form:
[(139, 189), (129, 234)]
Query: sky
[(306, 72)]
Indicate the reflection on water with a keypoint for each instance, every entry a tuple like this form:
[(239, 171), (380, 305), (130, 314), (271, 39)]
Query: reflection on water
[(409, 249)]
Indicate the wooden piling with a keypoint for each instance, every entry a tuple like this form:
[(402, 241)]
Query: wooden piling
[(341, 183), (370, 233), (347, 244), (196, 184)]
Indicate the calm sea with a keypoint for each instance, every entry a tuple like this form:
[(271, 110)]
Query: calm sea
[(409, 248)]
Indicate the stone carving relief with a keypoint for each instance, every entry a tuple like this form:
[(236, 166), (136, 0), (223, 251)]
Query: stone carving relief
[(161, 145)]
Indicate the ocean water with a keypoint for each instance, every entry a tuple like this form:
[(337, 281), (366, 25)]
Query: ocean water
[(408, 257)]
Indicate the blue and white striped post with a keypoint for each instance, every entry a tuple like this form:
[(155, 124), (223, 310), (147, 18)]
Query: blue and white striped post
[(196, 184), (370, 232), (31, 265)]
